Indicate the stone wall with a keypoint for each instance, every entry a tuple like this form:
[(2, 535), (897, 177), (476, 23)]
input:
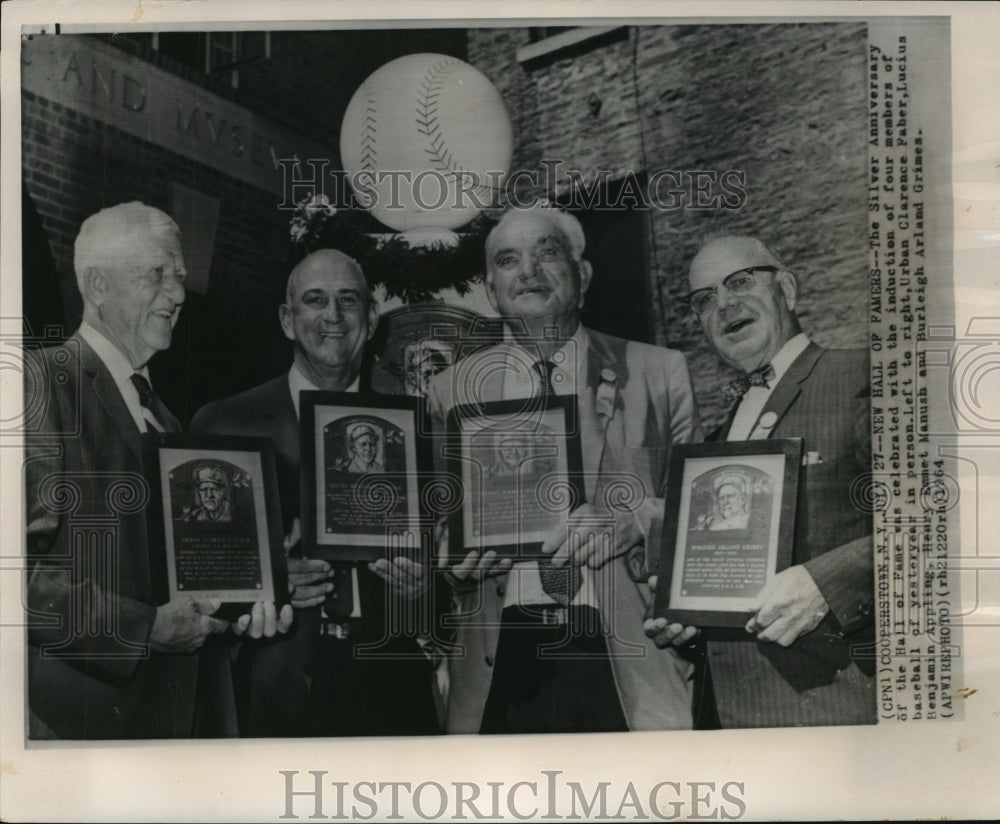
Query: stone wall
[(784, 104)]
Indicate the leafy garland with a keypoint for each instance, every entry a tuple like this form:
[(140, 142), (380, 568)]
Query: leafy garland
[(414, 274)]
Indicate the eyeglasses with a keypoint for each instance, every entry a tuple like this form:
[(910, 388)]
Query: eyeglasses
[(703, 301)]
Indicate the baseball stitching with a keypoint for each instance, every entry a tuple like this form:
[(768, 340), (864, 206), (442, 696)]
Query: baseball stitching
[(369, 152), (427, 119)]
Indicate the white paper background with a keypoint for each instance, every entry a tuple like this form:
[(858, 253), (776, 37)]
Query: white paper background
[(919, 770)]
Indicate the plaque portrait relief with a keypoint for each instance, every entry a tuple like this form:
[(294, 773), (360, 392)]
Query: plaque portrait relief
[(214, 528), (730, 512), (362, 468), (507, 469), (729, 531), (213, 525), (362, 445)]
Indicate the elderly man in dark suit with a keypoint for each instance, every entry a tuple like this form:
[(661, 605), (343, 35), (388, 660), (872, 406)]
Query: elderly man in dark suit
[(105, 661), (812, 621), (588, 602), (311, 682)]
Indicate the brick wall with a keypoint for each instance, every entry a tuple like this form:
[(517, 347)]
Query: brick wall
[(74, 165), (783, 103)]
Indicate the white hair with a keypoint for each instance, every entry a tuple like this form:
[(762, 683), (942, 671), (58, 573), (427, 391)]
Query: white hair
[(107, 240), (568, 226)]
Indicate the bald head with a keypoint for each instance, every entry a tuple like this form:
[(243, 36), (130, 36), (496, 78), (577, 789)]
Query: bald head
[(745, 299), (724, 255), (330, 315), (326, 260)]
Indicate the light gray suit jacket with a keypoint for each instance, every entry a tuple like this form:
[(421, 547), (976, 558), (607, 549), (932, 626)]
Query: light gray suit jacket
[(635, 400)]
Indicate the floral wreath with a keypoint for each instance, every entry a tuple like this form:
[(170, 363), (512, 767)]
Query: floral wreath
[(413, 273)]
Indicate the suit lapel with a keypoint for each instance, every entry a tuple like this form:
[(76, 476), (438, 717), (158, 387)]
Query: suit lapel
[(109, 396), (788, 387), (722, 433), (280, 414), (478, 378), (601, 399)]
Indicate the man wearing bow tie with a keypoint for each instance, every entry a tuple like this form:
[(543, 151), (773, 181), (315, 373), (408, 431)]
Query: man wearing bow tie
[(813, 620), (558, 645)]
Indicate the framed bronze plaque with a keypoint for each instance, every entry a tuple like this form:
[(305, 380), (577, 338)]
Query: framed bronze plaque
[(363, 472), (729, 526), (519, 463), (215, 520)]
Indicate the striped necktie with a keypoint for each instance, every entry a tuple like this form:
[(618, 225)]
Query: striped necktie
[(561, 584), (544, 370)]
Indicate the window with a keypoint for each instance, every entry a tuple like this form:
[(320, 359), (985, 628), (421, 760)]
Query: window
[(215, 53), (548, 43), (538, 33)]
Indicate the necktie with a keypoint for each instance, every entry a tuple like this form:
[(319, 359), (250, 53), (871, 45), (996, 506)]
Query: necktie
[(544, 369), (734, 391), (561, 584), (158, 417), (339, 604)]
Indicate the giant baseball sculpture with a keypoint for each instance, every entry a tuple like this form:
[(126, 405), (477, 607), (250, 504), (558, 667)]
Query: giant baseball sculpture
[(424, 139)]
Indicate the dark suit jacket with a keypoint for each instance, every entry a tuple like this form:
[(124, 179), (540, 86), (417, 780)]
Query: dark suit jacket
[(275, 678), (90, 672), (824, 677)]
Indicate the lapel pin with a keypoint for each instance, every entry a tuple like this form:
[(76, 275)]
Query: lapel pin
[(606, 393), (768, 420)]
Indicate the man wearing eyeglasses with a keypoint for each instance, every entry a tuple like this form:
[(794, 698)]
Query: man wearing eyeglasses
[(813, 620)]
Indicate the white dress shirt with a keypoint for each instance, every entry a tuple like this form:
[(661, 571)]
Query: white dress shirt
[(297, 382), (122, 371), (524, 585), (745, 423)]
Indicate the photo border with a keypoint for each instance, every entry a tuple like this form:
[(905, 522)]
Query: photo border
[(894, 770)]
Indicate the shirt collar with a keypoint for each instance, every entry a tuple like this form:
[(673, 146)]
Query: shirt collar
[(786, 356), (297, 382), (111, 356), (568, 358)]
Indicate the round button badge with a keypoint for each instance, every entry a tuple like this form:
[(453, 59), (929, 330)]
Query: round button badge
[(768, 420)]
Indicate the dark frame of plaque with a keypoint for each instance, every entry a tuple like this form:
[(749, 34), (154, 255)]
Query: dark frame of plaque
[(522, 452), (363, 473), (210, 495), (729, 527)]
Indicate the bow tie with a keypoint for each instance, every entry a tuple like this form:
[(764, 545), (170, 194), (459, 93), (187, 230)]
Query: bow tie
[(734, 391)]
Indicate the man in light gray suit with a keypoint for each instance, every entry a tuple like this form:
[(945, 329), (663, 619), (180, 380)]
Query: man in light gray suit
[(635, 400)]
